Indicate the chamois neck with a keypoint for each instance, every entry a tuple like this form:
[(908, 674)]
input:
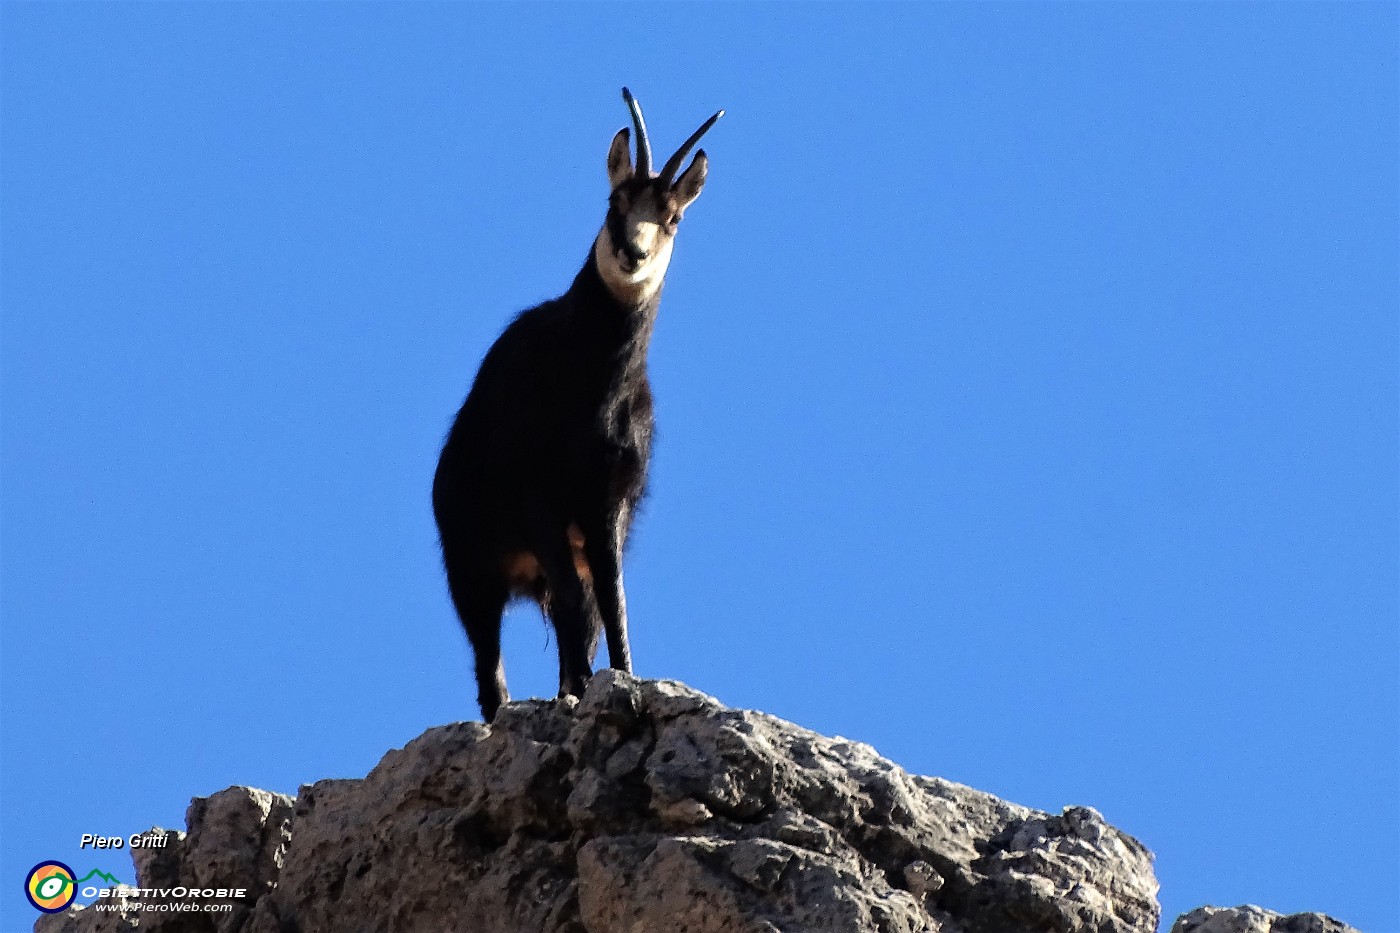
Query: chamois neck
[(637, 305)]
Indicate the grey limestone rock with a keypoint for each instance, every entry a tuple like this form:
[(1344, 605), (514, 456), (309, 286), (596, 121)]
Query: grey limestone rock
[(644, 806), (236, 839), (1251, 919)]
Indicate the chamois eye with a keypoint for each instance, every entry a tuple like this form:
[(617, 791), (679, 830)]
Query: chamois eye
[(674, 219)]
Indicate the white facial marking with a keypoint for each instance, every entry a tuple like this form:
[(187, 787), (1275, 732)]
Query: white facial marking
[(646, 232)]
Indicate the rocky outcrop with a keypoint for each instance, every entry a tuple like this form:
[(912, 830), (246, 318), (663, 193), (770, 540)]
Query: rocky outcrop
[(1251, 919), (645, 806)]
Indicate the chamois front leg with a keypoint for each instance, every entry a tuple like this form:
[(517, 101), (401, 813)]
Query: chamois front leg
[(604, 551)]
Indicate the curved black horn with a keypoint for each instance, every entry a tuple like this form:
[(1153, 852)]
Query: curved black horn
[(674, 163), (643, 169)]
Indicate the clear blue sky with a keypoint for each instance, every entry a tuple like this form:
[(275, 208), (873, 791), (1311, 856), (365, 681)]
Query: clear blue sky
[(1026, 383)]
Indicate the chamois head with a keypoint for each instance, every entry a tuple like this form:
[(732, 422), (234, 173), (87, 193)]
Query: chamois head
[(644, 210)]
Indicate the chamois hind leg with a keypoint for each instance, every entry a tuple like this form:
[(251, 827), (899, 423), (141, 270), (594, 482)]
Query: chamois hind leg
[(480, 601), (571, 610), (603, 549)]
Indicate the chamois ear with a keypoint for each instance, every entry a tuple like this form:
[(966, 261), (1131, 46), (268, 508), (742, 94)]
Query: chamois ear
[(688, 186), (620, 158)]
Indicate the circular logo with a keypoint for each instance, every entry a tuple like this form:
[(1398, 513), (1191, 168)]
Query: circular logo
[(50, 887)]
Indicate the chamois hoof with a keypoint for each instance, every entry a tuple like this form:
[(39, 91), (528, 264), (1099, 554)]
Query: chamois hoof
[(490, 705), (576, 687)]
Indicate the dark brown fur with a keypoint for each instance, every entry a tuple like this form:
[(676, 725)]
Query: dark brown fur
[(546, 463)]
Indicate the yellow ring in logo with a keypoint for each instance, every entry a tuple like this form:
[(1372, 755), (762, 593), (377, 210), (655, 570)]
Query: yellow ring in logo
[(50, 886)]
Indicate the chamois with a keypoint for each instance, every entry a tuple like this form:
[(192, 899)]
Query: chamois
[(542, 472)]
